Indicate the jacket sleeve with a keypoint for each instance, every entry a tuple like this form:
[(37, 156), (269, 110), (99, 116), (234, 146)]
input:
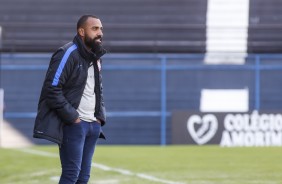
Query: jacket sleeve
[(58, 73)]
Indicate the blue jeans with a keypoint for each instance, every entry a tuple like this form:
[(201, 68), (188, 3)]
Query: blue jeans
[(77, 151)]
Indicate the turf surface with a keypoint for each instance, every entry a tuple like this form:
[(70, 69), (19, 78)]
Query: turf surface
[(175, 164)]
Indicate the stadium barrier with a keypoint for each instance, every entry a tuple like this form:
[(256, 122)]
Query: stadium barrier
[(1, 114), (165, 65)]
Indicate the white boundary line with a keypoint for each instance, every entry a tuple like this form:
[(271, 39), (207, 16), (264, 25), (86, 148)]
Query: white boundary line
[(104, 167)]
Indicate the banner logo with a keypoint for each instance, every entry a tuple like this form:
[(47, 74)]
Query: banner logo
[(202, 129)]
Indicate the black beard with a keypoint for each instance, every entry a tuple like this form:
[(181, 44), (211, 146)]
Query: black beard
[(93, 44)]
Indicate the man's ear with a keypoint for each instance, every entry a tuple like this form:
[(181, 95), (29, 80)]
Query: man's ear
[(81, 32)]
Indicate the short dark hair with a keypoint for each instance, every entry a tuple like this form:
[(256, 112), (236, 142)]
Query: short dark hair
[(81, 21)]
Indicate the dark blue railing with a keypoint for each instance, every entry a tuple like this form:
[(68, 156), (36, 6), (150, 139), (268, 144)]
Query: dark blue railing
[(254, 64)]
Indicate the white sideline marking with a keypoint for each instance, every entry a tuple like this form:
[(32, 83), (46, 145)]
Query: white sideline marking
[(104, 167), (38, 152), (107, 182), (139, 175), (55, 178)]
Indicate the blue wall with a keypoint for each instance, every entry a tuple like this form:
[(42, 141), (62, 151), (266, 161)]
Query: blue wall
[(141, 93)]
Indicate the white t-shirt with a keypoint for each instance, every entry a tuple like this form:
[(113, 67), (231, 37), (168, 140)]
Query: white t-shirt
[(86, 108)]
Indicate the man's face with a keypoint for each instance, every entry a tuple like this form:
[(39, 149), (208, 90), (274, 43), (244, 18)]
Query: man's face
[(93, 33)]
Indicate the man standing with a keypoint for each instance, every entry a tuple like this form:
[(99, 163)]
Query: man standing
[(71, 107)]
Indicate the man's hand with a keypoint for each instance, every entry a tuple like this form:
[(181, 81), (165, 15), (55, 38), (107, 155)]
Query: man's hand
[(98, 120), (77, 120)]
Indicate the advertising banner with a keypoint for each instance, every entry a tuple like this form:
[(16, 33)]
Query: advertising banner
[(227, 129)]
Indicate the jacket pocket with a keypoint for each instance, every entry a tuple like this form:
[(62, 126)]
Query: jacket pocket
[(48, 126)]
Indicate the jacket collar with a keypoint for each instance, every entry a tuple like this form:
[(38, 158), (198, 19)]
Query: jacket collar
[(85, 53)]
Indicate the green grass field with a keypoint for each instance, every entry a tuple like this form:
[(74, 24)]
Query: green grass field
[(150, 165)]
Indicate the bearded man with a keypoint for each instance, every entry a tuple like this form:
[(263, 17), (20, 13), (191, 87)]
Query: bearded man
[(71, 107)]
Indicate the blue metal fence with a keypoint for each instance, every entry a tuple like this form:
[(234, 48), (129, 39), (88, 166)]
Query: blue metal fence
[(256, 63)]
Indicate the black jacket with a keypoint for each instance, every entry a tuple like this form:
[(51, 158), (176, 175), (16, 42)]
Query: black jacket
[(63, 88)]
